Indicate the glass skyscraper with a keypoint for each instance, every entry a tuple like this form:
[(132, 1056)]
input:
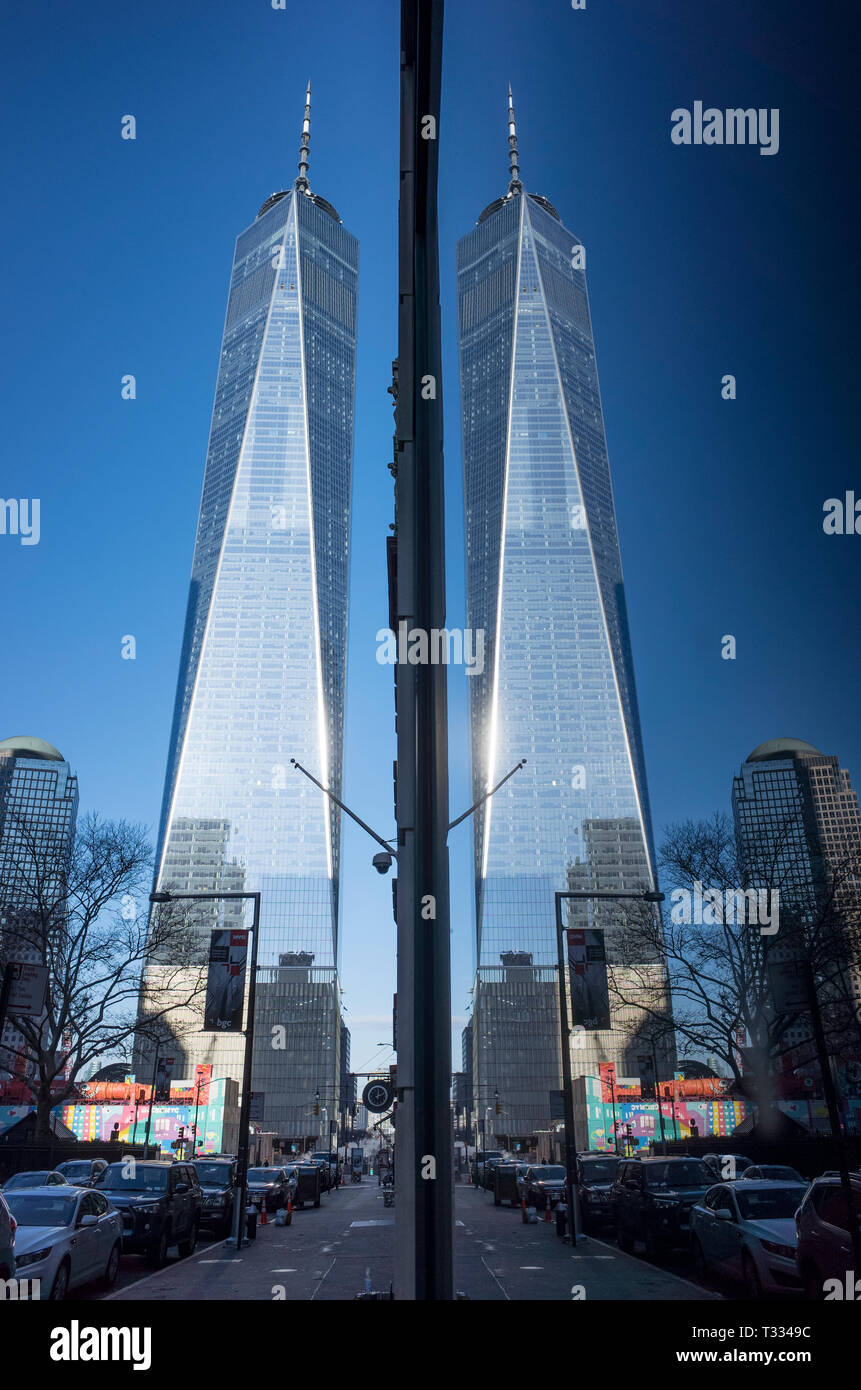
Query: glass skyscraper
[(38, 816), (544, 582), (263, 666)]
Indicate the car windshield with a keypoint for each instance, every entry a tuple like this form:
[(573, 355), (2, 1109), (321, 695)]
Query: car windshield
[(597, 1170), (687, 1173), (75, 1170), (28, 1180), (133, 1177), (214, 1173), (778, 1204), (262, 1174), (43, 1210), (774, 1173), (552, 1171)]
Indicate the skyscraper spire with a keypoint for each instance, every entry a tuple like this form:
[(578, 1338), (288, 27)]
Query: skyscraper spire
[(514, 186), (302, 181)]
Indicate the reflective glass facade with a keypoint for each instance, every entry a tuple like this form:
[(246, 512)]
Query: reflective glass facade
[(263, 667), (544, 582), (38, 817)]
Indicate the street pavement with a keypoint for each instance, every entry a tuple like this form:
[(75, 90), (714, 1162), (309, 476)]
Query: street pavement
[(346, 1245)]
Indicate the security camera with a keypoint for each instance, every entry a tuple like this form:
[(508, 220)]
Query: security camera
[(382, 862)]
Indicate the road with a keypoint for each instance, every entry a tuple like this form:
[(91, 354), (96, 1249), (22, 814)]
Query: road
[(334, 1252)]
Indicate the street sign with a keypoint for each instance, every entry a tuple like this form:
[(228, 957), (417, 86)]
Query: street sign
[(256, 1108), (378, 1096), (27, 987)]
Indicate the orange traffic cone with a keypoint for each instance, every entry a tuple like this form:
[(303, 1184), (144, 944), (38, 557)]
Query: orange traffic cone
[(523, 1210), (264, 1221), (289, 1220), (547, 1213)]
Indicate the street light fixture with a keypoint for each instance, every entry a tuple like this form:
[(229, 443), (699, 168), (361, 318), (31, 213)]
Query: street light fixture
[(245, 1104)]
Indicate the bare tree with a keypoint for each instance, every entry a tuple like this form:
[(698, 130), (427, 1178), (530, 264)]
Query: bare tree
[(79, 913), (722, 966)]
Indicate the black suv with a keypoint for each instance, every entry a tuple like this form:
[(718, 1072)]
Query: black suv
[(595, 1174), (652, 1200), (161, 1205), (217, 1178)]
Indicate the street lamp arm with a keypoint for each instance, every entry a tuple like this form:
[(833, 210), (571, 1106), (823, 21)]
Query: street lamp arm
[(373, 834), (484, 798)]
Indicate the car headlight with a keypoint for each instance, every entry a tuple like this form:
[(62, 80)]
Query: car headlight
[(217, 1201), (773, 1248), (22, 1260)]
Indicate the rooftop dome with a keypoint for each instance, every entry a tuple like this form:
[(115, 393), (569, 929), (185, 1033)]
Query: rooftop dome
[(781, 748), (25, 746)]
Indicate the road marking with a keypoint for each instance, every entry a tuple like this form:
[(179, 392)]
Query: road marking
[(389, 1221), (283, 1271), (320, 1285), (493, 1276), (531, 1266)]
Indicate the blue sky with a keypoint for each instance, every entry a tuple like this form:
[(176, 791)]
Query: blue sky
[(701, 261)]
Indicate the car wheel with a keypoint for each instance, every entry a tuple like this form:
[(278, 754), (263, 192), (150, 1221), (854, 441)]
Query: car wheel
[(750, 1275), (701, 1264), (60, 1286), (187, 1247), (497, 1201), (112, 1268), (316, 1201), (157, 1250), (624, 1238)]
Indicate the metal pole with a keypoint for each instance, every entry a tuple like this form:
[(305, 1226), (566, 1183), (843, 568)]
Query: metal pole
[(658, 1096), (151, 1096), (615, 1123), (567, 1083), (424, 1225), (245, 1104)]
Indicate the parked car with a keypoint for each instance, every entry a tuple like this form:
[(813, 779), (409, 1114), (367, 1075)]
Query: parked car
[(269, 1185), (478, 1162), (45, 1177), (522, 1170), (824, 1242), (7, 1240), (325, 1170), (726, 1167), (652, 1200), (217, 1178), (747, 1230), (772, 1172), (334, 1166), (487, 1172), (544, 1183), (505, 1188), (66, 1236), (309, 1184), (595, 1174), (82, 1172), (161, 1205)]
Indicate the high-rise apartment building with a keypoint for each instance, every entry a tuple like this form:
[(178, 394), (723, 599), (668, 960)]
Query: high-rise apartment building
[(38, 815), (544, 583), (263, 666), (798, 828)]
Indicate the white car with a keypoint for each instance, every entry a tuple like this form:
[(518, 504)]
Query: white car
[(746, 1230), (66, 1236)]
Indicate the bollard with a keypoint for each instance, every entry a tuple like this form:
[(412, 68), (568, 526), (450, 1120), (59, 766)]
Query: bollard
[(251, 1223)]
